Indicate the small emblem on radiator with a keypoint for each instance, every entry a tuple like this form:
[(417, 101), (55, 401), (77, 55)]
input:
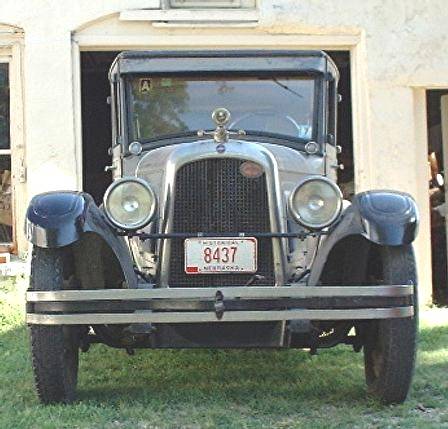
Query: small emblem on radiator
[(220, 148)]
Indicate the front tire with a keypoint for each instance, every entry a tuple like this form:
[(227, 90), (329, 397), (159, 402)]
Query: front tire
[(390, 344), (54, 349)]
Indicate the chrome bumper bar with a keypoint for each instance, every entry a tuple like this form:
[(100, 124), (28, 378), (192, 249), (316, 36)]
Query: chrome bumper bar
[(227, 304)]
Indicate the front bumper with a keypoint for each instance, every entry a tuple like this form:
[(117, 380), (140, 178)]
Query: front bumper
[(218, 305)]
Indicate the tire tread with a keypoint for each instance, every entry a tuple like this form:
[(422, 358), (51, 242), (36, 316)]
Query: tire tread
[(398, 336), (48, 342)]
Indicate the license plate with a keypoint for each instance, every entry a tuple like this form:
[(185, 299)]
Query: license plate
[(220, 255)]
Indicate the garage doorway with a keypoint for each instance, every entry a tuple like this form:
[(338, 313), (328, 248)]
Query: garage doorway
[(96, 128), (437, 120)]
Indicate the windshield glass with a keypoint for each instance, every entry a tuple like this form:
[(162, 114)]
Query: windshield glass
[(163, 106)]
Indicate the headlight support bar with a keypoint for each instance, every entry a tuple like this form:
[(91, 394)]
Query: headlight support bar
[(182, 235)]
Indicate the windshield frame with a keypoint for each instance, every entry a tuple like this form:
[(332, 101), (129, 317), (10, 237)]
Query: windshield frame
[(319, 115)]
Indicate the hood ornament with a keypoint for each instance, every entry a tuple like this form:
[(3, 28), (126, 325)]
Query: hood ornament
[(221, 117)]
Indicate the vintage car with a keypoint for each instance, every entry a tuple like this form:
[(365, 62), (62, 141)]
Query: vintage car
[(223, 226)]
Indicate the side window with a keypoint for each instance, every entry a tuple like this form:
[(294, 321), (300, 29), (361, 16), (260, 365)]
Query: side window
[(6, 222)]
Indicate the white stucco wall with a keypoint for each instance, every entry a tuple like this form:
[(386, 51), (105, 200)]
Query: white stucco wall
[(401, 49)]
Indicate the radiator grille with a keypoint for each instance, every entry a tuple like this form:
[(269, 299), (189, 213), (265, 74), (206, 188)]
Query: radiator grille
[(213, 196)]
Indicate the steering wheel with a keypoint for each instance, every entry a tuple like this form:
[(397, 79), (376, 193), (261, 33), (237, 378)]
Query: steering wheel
[(268, 113)]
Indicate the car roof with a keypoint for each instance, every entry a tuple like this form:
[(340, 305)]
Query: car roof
[(217, 62)]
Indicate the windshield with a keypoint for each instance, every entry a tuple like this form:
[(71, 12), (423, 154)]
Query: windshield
[(163, 106)]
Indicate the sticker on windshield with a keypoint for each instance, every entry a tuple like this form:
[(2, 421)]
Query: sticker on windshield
[(166, 82), (145, 85)]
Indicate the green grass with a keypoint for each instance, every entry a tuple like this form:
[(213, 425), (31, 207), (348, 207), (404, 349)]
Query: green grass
[(224, 389)]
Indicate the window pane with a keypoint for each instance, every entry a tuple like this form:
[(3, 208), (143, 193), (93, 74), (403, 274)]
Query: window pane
[(161, 106), (202, 4), (4, 106), (5, 199)]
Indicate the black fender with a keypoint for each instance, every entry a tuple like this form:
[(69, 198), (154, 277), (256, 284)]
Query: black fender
[(58, 219), (386, 218)]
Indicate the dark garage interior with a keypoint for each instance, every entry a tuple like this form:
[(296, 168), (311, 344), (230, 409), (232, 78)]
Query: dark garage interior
[(96, 129), (437, 196), (96, 121)]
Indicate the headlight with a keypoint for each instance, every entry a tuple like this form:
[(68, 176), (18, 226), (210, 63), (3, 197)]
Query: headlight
[(316, 202), (129, 203)]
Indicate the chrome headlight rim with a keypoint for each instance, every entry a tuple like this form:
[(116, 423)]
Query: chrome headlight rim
[(119, 182), (296, 215)]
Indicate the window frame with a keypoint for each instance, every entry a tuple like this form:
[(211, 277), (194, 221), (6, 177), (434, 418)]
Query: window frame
[(9, 246)]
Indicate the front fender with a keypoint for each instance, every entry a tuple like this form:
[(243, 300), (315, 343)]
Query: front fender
[(57, 219), (386, 218)]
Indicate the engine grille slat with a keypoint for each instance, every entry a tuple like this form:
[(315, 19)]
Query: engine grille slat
[(212, 195)]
